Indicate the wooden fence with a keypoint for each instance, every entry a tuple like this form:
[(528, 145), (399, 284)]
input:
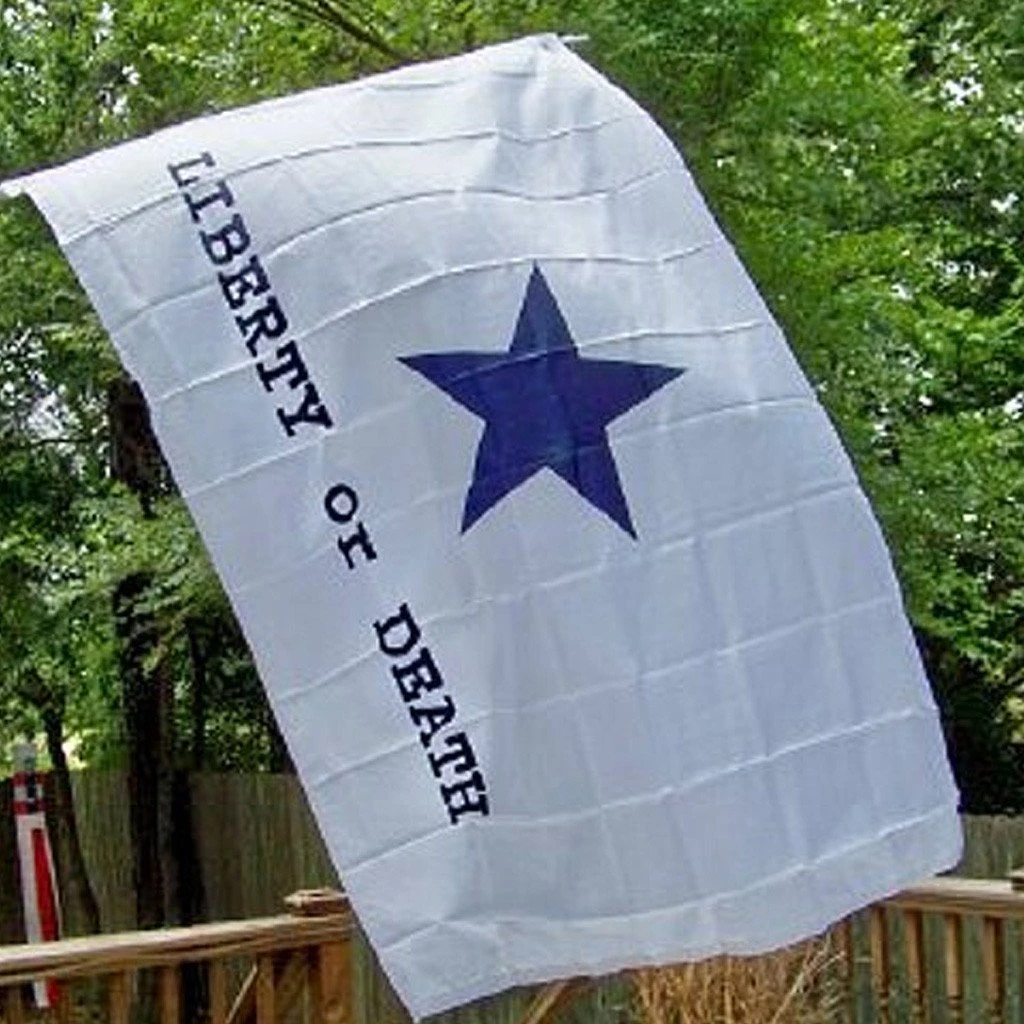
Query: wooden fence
[(257, 839)]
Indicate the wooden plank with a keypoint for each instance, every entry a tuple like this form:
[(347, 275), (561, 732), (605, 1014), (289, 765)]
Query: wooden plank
[(102, 800), (848, 965), (119, 997), (990, 898), (244, 1006), (218, 992), (849, 952), (331, 983), (316, 988), (317, 902), (913, 921), (993, 963), (291, 977), (14, 1006), (954, 957), (881, 974), (265, 998), (170, 995), (108, 954)]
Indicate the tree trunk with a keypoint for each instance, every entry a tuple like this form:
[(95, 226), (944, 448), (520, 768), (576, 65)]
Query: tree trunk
[(68, 839), (143, 722), (146, 685)]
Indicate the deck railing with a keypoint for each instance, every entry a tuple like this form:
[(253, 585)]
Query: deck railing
[(307, 949), (949, 949)]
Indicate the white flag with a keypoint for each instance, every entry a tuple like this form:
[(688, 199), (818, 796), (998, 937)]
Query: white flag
[(579, 627)]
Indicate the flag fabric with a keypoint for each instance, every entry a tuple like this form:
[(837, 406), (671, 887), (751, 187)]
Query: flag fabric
[(35, 864), (578, 625)]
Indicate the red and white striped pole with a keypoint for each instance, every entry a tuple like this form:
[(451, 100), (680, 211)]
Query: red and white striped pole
[(35, 858)]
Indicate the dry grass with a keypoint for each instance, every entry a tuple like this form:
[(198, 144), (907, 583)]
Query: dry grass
[(798, 985)]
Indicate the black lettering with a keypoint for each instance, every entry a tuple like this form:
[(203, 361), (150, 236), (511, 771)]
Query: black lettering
[(230, 241), (250, 280), (397, 644), (310, 410), (434, 716), (268, 322), (220, 194), (290, 365), (351, 499), (360, 540), (459, 755), (419, 676), (468, 796), (203, 160)]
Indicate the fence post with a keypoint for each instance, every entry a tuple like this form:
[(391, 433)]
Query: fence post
[(331, 962)]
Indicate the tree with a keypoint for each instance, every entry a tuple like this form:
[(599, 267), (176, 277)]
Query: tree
[(864, 159)]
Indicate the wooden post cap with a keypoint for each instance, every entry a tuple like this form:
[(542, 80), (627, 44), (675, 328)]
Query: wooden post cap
[(316, 902)]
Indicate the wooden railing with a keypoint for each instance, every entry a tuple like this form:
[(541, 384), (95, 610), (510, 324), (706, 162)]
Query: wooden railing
[(306, 953), (306, 950), (949, 949), (946, 948)]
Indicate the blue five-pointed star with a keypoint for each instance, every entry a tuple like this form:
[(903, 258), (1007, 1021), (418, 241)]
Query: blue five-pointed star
[(543, 407)]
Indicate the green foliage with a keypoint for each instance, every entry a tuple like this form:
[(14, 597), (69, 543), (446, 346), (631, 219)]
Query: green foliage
[(863, 156)]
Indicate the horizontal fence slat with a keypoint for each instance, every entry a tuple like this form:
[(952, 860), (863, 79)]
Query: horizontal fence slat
[(981, 896)]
